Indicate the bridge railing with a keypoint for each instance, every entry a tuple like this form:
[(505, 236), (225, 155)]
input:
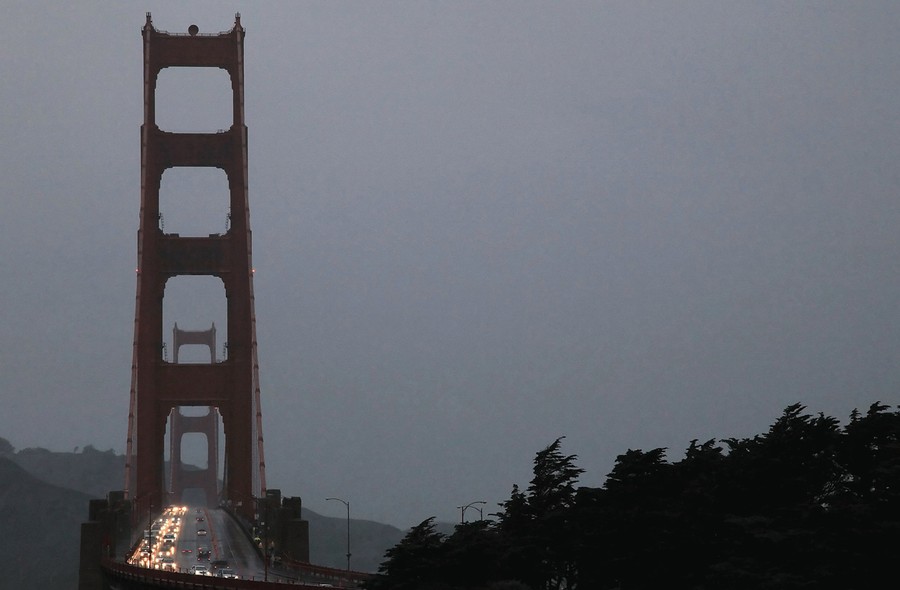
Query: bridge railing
[(321, 574), (131, 576)]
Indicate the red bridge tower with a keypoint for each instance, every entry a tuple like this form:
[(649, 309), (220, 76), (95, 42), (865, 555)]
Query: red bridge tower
[(230, 387), (204, 479)]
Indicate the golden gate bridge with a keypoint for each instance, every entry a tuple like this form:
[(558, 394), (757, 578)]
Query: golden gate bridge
[(241, 534)]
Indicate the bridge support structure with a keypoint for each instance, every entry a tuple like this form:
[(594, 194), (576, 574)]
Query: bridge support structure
[(181, 478), (230, 386), (283, 530), (105, 535), (205, 479)]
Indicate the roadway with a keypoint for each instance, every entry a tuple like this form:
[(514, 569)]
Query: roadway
[(185, 537)]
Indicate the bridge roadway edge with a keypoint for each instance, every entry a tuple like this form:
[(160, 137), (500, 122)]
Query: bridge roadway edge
[(122, 576)]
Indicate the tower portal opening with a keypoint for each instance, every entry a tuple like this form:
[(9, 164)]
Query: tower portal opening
[(194, 100), (194, 450), (194, 456), (194, 201), (193, 307)]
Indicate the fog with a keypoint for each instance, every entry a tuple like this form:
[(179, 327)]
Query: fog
[(477, 227)]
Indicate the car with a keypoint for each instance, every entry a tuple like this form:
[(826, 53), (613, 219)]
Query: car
[(201, 532), (167, 563), (202, 553), (187, 550), (200, 519), (200, 570), (227, 572), (218, 564)]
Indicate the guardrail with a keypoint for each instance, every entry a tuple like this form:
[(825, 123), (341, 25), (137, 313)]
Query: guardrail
[(135, 577), (320, 574)]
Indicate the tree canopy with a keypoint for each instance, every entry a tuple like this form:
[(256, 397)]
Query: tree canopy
[(807, 504)]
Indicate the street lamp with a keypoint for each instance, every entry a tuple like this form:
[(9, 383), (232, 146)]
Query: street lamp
[(347, 504), (462, 510), (266, 543)]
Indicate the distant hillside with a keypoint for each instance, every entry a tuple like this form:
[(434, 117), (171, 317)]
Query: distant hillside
[(368, 541), (93, 472), (41, 531)]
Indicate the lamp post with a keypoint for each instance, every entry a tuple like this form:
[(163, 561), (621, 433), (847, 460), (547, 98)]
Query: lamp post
[(266, 543), (347, 504), (462, 510)]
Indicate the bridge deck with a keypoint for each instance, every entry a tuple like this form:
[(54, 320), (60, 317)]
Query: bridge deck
[(185, 539)]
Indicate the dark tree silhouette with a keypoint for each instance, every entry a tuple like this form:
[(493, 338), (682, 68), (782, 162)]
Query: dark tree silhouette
[(538, 527), (807, 504), (472, 555), (414, 563)]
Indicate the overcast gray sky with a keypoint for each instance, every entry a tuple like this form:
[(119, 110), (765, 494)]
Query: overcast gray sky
[(478, 226)]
